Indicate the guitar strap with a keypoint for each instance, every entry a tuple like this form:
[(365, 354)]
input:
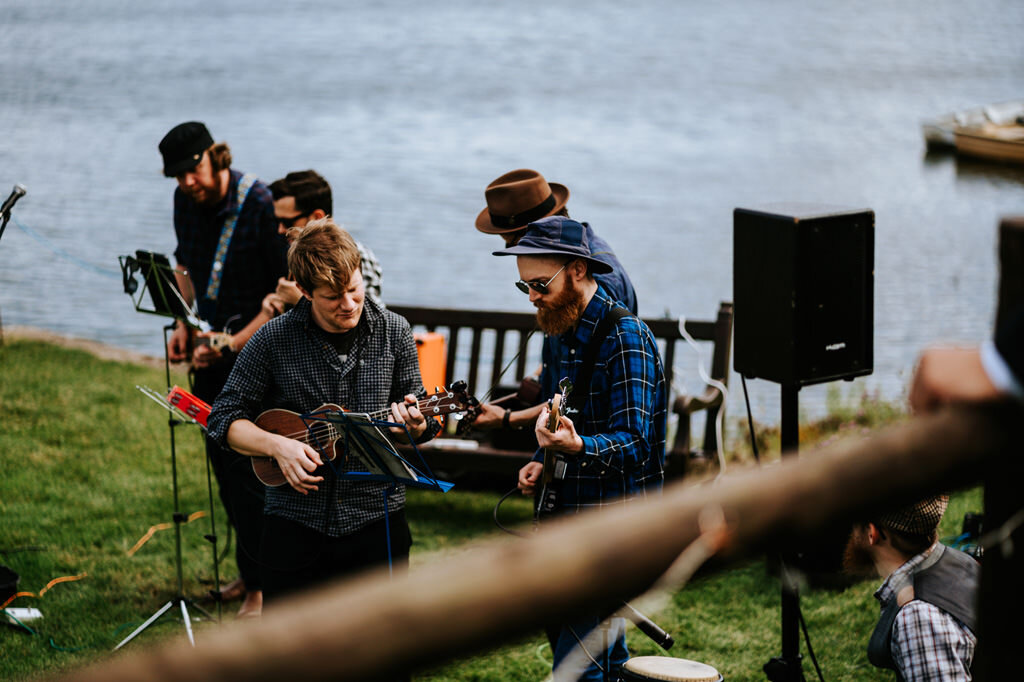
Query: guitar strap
[(209, 302), (585, 375), (547, 502)]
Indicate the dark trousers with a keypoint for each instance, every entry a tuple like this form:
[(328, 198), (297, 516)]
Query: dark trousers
[(240, 491), (295, 557)]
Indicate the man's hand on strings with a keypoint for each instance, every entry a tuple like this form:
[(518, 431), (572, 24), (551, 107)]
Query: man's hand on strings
[(564, 438), (407, 413), (490, 416), (203, 355), (297, 461)]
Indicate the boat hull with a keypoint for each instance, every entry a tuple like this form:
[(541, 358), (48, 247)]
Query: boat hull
[(995, 143)]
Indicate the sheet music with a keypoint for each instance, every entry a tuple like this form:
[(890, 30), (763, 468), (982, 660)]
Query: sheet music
[(381, 446)]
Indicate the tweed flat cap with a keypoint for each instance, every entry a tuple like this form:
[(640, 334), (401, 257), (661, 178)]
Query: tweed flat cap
[(920, 518)]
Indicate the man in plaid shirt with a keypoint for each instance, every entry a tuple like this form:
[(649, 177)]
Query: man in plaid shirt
[(926, 632), (335, 346), (610, 448)]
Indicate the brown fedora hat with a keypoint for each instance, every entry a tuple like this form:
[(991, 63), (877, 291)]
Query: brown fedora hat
[(518, 198)]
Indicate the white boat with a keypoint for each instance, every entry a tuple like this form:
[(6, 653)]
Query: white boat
[(991, 141), (939, 132)]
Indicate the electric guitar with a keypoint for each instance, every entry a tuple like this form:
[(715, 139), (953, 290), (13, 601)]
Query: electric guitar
[(218, 341), (547, 501), (323, 435)]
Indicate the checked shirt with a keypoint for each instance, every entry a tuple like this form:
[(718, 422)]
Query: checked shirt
[(623, 415), (928, 644), (290, 364)]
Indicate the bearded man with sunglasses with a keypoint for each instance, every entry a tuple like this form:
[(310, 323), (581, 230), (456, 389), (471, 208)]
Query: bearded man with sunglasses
[(609, 448), (229, 256)]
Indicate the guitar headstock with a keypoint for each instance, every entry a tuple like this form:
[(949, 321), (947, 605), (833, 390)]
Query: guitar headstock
[(218, 341), (557, 404), (451, 400)]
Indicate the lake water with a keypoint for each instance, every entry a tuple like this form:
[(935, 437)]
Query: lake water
[(661, 117)]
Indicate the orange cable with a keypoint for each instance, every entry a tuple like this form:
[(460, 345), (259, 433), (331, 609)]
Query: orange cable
[(62, 579), (162, 526)]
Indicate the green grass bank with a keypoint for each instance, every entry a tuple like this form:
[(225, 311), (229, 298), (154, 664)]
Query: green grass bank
[(85, 473)]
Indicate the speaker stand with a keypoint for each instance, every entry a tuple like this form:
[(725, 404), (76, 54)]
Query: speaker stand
[(787, 667)]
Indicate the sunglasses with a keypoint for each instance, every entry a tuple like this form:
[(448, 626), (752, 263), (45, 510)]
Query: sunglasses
[(288, 223), (538, 286)]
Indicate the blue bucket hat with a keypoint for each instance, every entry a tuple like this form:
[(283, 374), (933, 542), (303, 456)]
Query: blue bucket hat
[(556, 236)]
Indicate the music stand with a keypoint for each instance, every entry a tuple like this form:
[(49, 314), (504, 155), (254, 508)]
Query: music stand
[(165, 299), (365, 442)]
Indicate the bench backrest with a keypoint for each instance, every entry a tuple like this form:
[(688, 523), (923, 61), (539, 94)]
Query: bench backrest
[(498, 340)]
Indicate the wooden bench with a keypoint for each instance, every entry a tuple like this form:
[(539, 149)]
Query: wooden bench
[(496, 349)]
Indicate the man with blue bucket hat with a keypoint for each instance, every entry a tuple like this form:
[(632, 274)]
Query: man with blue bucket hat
[(608, 448)]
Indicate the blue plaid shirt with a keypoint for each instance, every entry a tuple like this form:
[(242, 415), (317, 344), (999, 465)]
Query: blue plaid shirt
[(255, 260), (624, 410), (289, 363)]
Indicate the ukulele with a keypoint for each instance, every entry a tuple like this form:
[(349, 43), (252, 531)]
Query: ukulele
[(323, 435), (547, 501)]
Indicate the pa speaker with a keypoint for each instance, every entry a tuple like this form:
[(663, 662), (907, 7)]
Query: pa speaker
[(803, 289)]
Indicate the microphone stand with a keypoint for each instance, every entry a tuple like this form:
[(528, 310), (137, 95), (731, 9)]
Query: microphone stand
[(5, 210)]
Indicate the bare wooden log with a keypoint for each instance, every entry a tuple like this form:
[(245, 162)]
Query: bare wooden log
[(371, 626)]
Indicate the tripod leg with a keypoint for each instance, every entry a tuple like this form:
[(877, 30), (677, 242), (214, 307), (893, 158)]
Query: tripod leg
[(188, 622), (163, 609)]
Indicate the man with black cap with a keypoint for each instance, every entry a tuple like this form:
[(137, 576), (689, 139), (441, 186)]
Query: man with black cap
[(928, 600), (611, 449), (514, 200), (229, 256)]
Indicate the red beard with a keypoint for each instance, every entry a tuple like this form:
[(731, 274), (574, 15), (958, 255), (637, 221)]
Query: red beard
[(561, 314), (857, 558)]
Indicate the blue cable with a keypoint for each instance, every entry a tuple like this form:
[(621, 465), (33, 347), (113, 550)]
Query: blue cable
[(64, 254)]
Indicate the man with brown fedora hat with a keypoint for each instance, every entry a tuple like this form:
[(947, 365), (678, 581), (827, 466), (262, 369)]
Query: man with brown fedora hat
[(514, 200), (522, 196), (929, 598)]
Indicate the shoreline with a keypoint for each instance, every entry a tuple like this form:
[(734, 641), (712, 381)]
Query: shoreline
[(101, 350)]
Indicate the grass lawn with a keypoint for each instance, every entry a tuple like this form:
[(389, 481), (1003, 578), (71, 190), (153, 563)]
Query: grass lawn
[(85, 472)]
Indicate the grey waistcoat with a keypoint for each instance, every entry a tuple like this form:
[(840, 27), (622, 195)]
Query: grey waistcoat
[(947, 579)]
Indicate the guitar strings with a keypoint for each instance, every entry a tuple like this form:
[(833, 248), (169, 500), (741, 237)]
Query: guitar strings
[(305, 434)]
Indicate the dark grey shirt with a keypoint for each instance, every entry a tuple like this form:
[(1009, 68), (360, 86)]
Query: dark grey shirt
[(289, 363)]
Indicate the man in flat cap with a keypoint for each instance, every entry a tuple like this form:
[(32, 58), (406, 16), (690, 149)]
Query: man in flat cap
[(609, 446), (926, 631), (229, 256)]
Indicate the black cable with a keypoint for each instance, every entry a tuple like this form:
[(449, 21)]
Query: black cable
[(750, 419), (807, 640), (498, 506), (27, 548)]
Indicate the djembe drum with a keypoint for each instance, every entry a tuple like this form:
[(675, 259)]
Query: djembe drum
[(647, 668)]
